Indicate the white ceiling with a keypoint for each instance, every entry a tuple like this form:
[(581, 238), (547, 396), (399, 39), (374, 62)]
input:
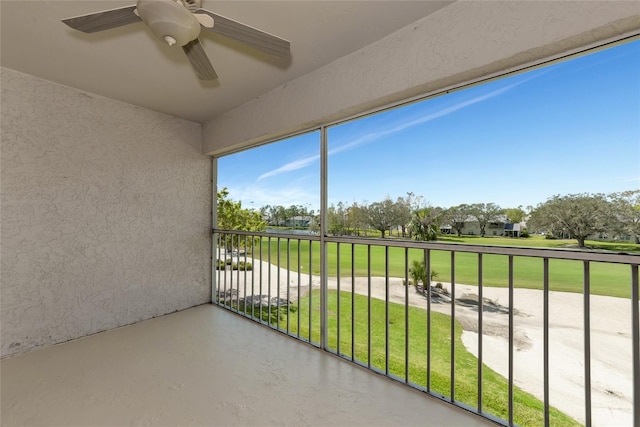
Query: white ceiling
[(131, 65)]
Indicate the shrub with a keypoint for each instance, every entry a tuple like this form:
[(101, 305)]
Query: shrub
[(418, 273), (241, 266), (220, 265)]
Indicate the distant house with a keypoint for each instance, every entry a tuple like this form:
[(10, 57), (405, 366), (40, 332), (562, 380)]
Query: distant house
[(447, 229), (500, 227), (299, 221), (512, 230)]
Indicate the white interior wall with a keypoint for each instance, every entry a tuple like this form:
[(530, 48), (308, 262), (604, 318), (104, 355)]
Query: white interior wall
[(105, 214), (461, 43)]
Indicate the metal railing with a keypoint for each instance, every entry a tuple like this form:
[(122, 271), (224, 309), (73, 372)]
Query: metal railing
[(328, 298)]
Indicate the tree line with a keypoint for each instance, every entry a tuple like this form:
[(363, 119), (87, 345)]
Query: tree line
[(576, 216), (413, 217)]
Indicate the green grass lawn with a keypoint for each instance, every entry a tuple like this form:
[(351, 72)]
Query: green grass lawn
[(528, 411), (564, 275)]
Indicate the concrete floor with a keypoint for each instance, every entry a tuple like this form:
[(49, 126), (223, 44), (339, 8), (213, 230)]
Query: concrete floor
[(205, 366)]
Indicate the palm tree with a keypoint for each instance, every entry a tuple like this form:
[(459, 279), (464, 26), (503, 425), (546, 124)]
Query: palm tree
[(426, 223)]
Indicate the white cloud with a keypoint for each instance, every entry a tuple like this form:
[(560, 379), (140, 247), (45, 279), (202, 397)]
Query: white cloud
[(291, 166)]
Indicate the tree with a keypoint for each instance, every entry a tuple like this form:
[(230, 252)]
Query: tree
[(485, 213), (626, 213), (275, 213), (380, 215), (231, 216), (426, 222), (264, 211), (403, 208), (457, 216), (290, 213), (515, 215), (356, 217), (337, 217), (578, 215)]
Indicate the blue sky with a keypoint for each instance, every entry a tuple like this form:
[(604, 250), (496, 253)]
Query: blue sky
[(571, 127)]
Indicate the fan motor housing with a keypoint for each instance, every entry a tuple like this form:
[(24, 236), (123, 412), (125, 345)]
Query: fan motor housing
[(168, 18)]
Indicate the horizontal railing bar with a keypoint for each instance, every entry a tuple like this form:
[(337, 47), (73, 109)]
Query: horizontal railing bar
[(551, 253), (555, 253), (314, 237)]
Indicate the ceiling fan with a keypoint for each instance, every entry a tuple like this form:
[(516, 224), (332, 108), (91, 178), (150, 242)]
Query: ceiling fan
[(178, 22)]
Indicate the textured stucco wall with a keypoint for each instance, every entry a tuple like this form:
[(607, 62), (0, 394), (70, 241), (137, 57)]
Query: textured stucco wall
[(105, 214), (461, 43)]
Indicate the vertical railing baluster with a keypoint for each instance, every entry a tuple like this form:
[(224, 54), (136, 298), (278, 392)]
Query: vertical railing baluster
[(278, 283), (218, 273), (635, 340), (244, 296), (214, 268), (353, 302), (324, 309), (260, 280), (369, 306), (253, 278), (427, 264), (406, 315), (510, 340), (545, 345), (453, 327), (338, 297), (232, 283), (299, 278), (269, 282), (225, 269), (237, 273), (231, 276), (386, 310), (587, 344), (480, 318), (288, 281), (310, 290)]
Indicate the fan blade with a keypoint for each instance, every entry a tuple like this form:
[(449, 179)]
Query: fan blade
[(250, 36), (104, 20), (199, 60)]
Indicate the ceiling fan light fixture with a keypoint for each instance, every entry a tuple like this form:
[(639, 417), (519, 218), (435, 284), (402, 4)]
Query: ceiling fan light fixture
[(169, 21)]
